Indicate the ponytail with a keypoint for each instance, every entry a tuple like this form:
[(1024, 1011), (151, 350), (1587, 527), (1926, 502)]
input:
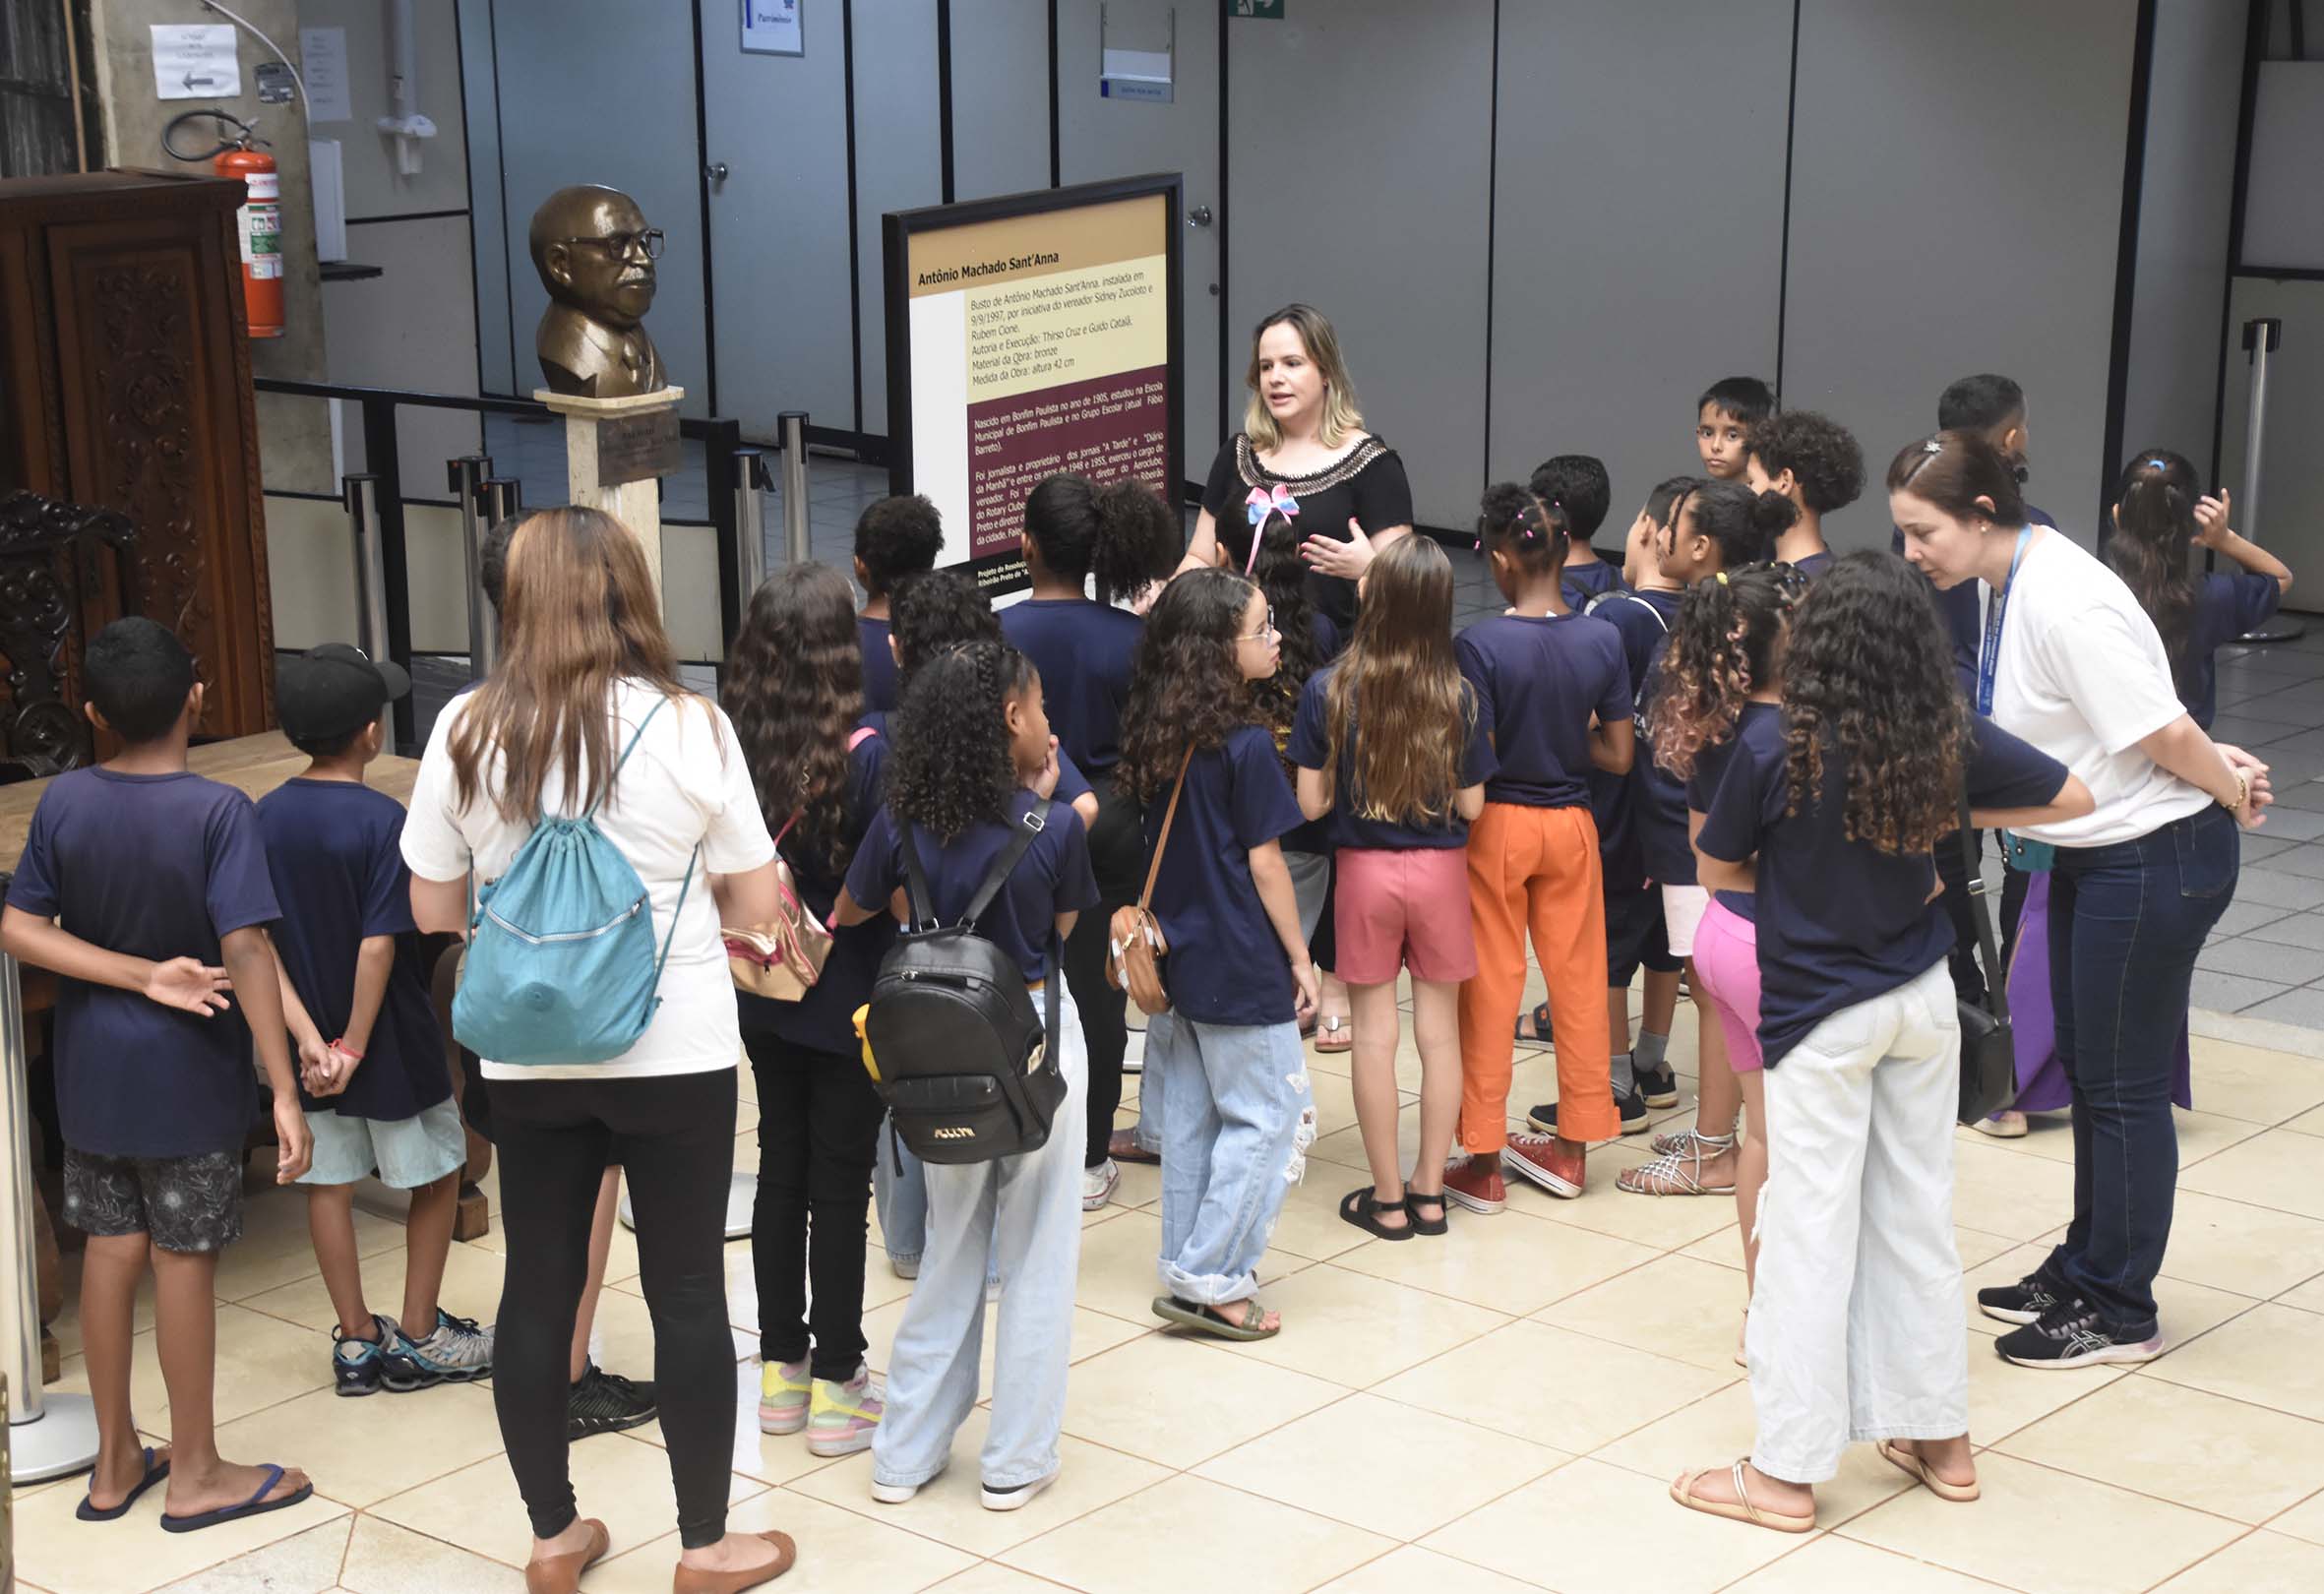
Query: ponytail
[(1723, 648), (1120, 532), (2155, 525), (1744, 523), (1531, 532)]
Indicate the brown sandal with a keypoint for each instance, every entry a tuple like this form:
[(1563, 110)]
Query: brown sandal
[(690, 1580), (562, 1575)]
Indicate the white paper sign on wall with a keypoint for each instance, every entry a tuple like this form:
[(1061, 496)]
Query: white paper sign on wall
[(195, 61)]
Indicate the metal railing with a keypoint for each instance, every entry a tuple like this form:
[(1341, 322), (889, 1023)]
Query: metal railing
[(735, 474)]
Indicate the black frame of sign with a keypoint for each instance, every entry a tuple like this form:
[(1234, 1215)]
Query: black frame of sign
[(898, 228)]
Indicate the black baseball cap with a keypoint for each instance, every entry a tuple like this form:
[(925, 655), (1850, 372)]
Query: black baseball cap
[(335, 689)]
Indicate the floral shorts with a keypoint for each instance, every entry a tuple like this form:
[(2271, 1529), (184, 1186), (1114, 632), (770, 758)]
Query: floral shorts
[(185, 1203)]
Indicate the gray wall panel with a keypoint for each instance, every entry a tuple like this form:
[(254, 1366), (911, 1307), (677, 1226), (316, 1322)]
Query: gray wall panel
[(899, 156), (586, 96), (2185, 201), (999, 98), (1638, 229), (1956, 198), (1358, 183)]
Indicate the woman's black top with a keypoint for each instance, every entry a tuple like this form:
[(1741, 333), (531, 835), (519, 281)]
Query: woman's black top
[(1366, 484)]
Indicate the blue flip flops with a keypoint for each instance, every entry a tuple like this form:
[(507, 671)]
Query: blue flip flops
[(256, 1505), (156, 1471)]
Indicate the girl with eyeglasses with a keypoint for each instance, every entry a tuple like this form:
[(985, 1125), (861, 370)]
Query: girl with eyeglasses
[(1553, 692), (1225, 1079)]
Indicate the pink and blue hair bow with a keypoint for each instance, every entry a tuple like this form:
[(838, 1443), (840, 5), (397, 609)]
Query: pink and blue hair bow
[(1263, 503)]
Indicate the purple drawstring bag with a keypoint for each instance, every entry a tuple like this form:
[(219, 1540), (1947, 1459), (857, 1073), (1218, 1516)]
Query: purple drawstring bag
[(2042, 1083)]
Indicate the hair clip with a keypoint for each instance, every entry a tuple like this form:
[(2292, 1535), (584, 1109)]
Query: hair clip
[(1932, 446), (1722, 578), (1480, 548)]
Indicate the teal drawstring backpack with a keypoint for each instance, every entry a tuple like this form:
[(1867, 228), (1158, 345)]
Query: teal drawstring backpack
[(561, 966)]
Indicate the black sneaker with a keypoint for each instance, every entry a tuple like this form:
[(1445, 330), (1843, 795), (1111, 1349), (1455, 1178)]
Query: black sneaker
[(1630, 1104), (2022, 1301), (605, 1402), (359, 1367), (2075, 1335), (1659, 1085)]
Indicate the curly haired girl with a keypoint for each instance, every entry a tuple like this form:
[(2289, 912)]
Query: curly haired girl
[(795, 690), (1814, 462), (1224, 1064), (973, 766), (1830, 824), (1718, 693)]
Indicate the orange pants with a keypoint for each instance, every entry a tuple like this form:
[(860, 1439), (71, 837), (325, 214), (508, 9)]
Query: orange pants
[(1536, 869)]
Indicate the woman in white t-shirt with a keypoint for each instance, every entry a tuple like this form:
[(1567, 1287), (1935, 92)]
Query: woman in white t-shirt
[(2071, 663), (584, 666)]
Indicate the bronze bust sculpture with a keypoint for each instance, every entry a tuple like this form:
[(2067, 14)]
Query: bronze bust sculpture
[(595, 256)]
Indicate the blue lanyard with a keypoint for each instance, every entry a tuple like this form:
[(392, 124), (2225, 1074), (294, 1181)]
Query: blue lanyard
[(1989, 658)]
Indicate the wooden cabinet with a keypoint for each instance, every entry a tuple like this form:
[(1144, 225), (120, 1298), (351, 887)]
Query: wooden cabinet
[(124, 385)]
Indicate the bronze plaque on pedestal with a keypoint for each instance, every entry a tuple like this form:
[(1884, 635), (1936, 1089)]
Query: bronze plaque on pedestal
[(633, 448)]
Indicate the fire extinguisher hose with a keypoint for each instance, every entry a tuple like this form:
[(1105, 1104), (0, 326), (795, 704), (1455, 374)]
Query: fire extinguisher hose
[(246, 135)]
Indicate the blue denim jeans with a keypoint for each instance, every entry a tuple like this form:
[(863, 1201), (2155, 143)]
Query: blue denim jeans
[(1234, 1118), (1023, 1214), (2125, 923)]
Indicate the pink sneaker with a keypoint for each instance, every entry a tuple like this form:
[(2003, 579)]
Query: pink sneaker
[(782, 1397), (845, 1416)]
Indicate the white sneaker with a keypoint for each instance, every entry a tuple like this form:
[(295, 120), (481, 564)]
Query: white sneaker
[(2007, 1126), (1098, 1185), (1010, 1500), (893, 1493), (904, 1266)]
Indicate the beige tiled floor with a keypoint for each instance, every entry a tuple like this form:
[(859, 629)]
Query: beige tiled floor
[(1498, 1410)]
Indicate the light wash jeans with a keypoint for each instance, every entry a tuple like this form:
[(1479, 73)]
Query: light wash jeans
[(1233, 1114), (1025, 1214), (1855, 1332), (899, 1192)]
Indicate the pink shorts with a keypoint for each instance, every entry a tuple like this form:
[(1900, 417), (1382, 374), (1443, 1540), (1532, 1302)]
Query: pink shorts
[(1726, 971), (1407, 909)]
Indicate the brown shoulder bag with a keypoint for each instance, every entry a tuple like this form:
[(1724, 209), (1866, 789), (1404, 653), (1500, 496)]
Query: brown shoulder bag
[(1135, 937)]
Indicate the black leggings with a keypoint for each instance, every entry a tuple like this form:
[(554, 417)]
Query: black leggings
[(674, 1134), (818, 1133), (1117, 857)]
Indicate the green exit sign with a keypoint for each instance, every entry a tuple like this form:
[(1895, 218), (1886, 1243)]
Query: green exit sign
[(1272, 10)]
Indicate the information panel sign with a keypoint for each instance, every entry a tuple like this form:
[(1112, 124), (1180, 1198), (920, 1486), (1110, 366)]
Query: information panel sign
[(1026, 335)]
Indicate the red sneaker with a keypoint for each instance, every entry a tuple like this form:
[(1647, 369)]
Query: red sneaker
[(1553, 1164), (1476, 1184)]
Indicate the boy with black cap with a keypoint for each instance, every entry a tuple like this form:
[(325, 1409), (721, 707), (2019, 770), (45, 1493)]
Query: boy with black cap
[(145, 887), (372, 1075)]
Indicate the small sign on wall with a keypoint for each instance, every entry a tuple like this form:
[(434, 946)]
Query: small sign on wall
[(1264, 10), (195, 61), (773, 28)]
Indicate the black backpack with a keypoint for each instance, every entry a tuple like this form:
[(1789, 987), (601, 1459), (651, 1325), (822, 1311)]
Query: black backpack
[(962, 1057)]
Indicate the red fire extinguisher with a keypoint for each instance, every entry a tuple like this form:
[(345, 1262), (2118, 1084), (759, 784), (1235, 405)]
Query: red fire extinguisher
[(258, 226)]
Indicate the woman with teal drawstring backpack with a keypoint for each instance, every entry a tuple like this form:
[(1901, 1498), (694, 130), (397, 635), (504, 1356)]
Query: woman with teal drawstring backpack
[(637, 789)]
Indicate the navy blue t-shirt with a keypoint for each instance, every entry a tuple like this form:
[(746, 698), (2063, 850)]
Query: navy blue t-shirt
[(1845, 922), (1348, 827), (1226, 964), (824, 1019), (878, 664), (1644, 620), (156, 867), (1759, 727), (334, 850), (1658, 798), (2227, 603), (1052, 878), (1539, 680), (1815, 564), (1082, 650), (1582, 583)]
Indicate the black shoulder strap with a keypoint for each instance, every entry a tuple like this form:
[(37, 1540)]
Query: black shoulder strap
[(1996, 977), (1028, 829)]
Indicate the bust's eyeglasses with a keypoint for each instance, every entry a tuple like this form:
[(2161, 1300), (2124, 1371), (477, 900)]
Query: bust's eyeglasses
[(1264, 631), (619, 244)]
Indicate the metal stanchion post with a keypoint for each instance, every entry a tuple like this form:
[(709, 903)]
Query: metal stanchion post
[(750, 521), (798, 546), (2261, 335), (359, 493), (463, 476), (48, 1435), (498, 498)]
